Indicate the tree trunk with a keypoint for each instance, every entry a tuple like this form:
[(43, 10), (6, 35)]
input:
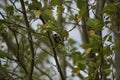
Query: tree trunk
[(116, 29), (117, 43)]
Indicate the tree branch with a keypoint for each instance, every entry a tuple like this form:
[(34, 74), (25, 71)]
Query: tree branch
[(55, 57), (54, 51), (29, 39), (13, 49), (43, 72), (15, 6)]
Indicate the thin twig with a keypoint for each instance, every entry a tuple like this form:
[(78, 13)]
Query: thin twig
[(12, 47), (2, 15), (43, 72), (15, 6), (18, 56), (73, 26)]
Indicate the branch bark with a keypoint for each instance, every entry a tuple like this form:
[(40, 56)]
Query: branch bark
[(55, 57), (60, 27), (29, 39), (43, 72), (116, 30)]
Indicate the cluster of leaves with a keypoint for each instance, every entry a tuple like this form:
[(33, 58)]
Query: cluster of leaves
[(15, 36), (97, 59), (48, 17)]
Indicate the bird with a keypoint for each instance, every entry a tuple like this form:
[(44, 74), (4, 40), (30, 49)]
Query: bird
[(57, 39)]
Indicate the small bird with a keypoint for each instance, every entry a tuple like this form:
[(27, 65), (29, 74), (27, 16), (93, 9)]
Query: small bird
[(57, 39)]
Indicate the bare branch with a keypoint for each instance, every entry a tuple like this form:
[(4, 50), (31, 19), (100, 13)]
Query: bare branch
[(15, 6), (73, 26), (43, 72)]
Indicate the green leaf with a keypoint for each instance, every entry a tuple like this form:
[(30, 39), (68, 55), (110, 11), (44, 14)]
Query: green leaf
[(2, 21), (110, 9), (88, 51), (83, 11), (107, 71), (82, 64), (38, 13), (3, 54), (73, 49), (65, 34), (81, 4), (55, 2), (95, 42), (86, 46), (17, 17), (95, 23), (76, 56), (47, 15), (76, 70), (35, 5), (49, 26), (10, 10), (71, 41), (110, 38), (107, 51), (60, 10)]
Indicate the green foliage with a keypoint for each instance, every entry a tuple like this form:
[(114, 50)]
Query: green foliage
[(10, 10), (110, 9), (95, 23), (34, 5), (44, 17), (75, 70), (82, 5), (95, 42), (65, 34), (49, 25), (47, 15), (79, 61), (55, 2), (3, 54), (76, 56), (71, 41)]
